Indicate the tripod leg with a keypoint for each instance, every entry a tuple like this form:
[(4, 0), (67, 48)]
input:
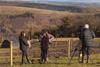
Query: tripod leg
[(72, 56)]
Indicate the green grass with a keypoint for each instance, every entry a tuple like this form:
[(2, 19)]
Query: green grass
[(54, 62), (57, 65)]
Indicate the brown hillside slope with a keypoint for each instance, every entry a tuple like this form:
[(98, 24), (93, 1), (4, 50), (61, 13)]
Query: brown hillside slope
[(23, 17), (15, 19)]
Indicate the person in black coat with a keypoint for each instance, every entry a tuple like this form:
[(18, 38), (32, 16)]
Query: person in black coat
[(44, 39), (87, 37), (24, 46), (80, 35)]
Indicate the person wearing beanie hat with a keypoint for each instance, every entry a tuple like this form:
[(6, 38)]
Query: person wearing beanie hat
[(88, 36), (86, 26)]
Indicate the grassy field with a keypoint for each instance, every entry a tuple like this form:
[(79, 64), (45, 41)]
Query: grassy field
[(53, 62), (57, 56)]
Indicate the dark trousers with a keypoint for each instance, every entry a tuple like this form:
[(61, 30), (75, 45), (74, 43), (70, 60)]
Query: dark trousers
[(85, 51), (44, 52), (25, 55)]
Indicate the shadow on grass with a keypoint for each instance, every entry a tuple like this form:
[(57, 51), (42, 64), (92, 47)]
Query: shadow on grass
[(4, 63)]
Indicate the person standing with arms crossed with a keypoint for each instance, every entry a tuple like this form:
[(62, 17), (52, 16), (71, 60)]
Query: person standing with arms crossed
[(24, 46)]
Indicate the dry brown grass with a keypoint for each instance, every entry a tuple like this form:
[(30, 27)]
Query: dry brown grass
[(18, 10)]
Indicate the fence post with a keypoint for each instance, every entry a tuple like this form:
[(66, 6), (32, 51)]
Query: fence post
[(11, 54), (69, 48)]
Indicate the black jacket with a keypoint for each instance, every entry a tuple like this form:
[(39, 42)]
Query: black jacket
[(88, 35), (23, 43), (44, 41), (80, 33)]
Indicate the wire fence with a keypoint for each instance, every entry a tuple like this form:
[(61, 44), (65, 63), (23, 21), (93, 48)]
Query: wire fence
[(60, 47)]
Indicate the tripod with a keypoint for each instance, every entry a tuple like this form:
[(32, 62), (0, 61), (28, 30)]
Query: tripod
[(77, 49)]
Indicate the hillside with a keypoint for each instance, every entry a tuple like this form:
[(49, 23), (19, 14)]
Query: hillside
[(43, 6), (71, 7), (16, 17)]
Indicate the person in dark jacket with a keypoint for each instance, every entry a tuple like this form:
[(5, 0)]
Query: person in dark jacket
[(87, 38), (24, 46), (44, 40), (80, 35)]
